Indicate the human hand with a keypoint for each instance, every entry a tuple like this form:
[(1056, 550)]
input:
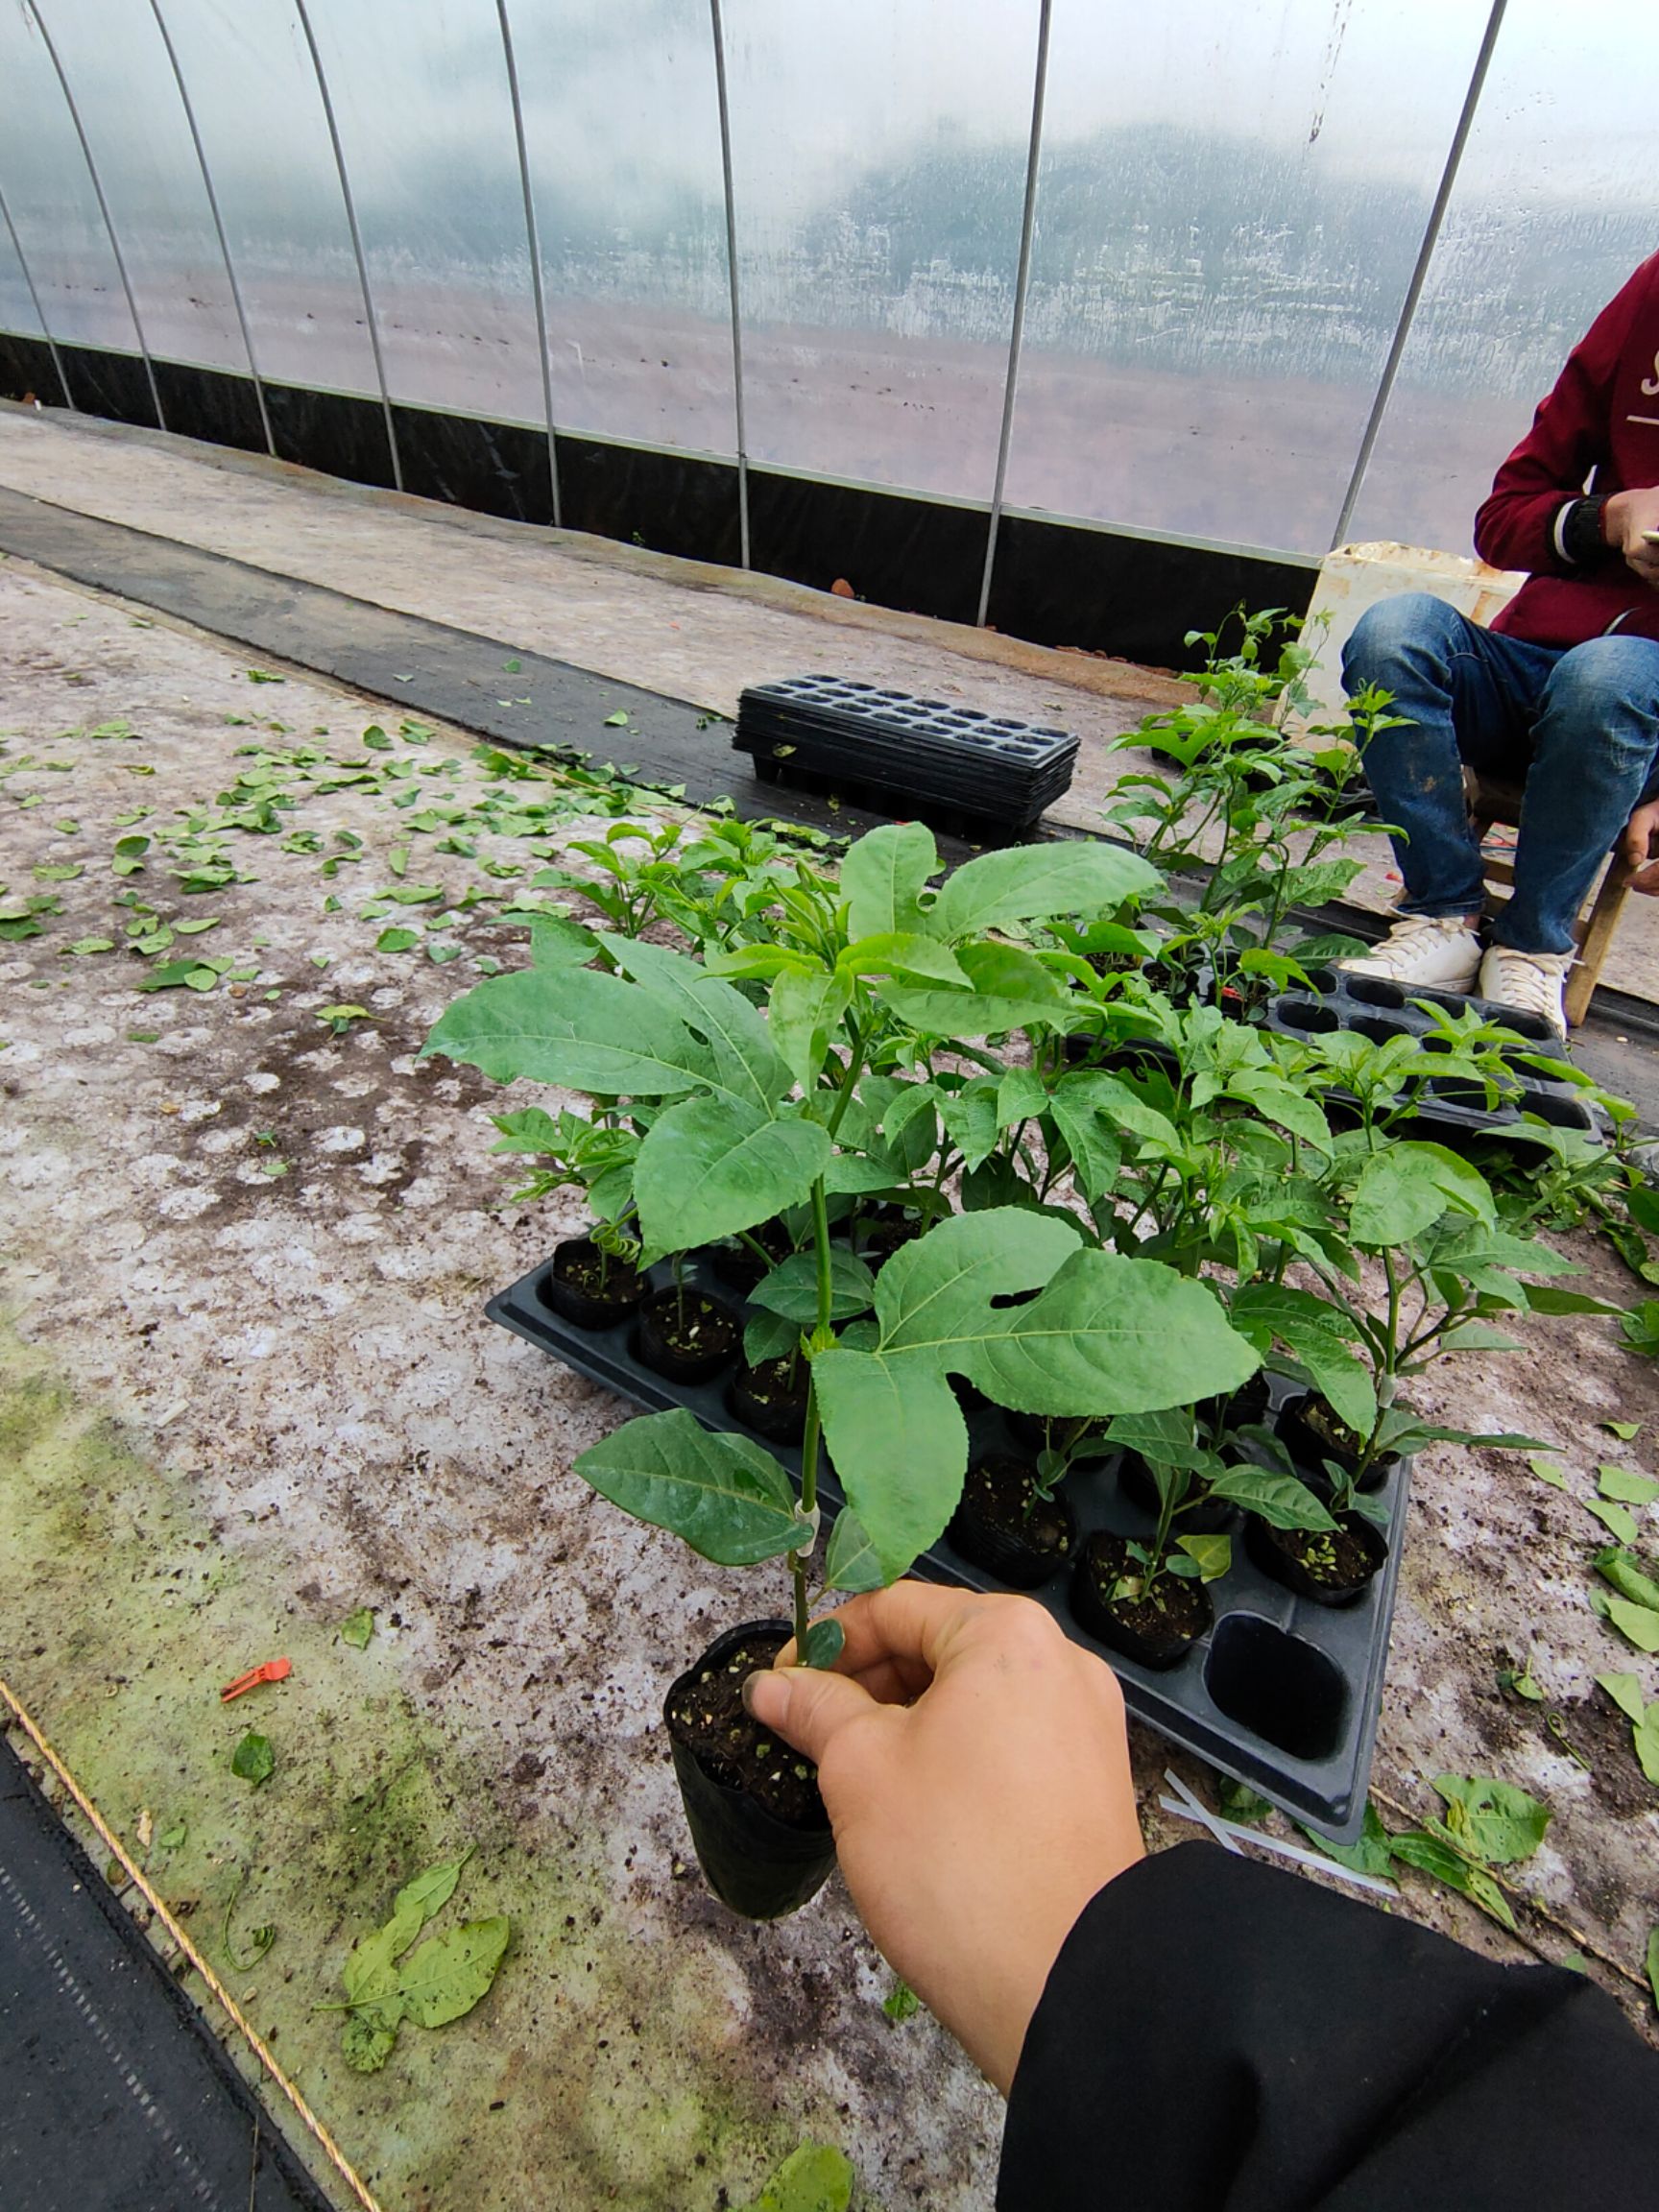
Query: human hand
[(1626, 516), (1641, 833), (975, 1766)]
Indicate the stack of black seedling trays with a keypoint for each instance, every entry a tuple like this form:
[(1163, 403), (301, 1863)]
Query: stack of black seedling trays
[(1455, 1110), (880, 745), (1282, 1694)]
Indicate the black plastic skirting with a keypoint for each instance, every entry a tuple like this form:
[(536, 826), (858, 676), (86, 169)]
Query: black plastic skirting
[(117, 2097), (1055, 583)]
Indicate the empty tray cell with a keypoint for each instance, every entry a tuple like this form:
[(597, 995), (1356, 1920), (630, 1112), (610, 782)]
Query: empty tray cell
[(1560, 1113), (1280, 1687), (1373, 991), (1314, 1020), (1378, 1028)]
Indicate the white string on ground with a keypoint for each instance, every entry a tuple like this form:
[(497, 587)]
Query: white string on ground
[(1230, 1835)]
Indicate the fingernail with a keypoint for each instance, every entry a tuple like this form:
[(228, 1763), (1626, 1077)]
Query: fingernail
[(748, 1693)]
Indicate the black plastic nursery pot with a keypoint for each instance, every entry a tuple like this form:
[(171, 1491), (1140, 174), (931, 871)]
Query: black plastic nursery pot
[(686, 1337), (1005, 1528), (760, 1865), (1357, 1555), (1282, 1691), (1313, 1432), (1156, 1636), (587, 1288)]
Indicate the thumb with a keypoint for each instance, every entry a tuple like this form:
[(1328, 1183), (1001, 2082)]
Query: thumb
[(808, 1705)]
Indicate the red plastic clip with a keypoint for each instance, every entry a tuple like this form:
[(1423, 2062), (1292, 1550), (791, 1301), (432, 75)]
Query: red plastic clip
[(273, 1670)]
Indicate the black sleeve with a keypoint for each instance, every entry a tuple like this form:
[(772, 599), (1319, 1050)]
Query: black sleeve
[(1218, 2036)]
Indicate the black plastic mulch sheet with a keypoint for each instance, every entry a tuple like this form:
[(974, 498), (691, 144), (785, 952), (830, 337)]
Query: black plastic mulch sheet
[(114, 2096)]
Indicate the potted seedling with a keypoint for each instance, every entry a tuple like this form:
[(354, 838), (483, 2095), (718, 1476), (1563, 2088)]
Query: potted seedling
[(1014, 1521), (1146, 1597), (745, 1111)]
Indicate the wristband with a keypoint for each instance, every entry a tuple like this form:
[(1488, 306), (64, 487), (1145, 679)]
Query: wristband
[(1577, 531)]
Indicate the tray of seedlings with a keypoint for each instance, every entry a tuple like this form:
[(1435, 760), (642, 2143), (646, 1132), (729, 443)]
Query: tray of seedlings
[(1453, 1107), (1262, 1648), (862, 739)]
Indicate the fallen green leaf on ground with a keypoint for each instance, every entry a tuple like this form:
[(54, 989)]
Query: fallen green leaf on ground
[(439, 1982), (901, 2003), (253, 1760), (815, 2179), (358, 1627)]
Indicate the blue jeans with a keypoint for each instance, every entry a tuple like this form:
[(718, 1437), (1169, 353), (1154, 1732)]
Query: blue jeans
[(1580, 724)]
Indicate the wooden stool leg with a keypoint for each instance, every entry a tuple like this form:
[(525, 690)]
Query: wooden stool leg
[(1597, 940)]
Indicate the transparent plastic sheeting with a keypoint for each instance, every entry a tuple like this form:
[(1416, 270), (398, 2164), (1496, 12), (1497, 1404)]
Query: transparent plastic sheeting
[(1229, 204), (426, 120), (52, 204), (879, 157), (1556, 203), (254, 94), (128, 99), (622, 123)]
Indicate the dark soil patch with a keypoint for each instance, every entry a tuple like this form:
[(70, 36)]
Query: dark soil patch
[(709, 1718)]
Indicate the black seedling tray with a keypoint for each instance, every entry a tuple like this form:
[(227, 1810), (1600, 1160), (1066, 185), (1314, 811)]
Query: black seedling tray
[(829, 727), (1283, 1694), (1373, 1007)]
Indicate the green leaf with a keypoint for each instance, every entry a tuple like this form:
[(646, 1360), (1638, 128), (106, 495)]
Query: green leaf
[(1653, 1962), (1618, 1520), (849, 1562), (366, 2042), (904, 954), (1431, 1856), (883, 876), (1626, 1431), (1109, 1335), (1212, 1554), (791, 1289), (815, 2179), (1405, 1189), (1278, 1498), (1547, 1471), (1280, 1102), (449, 1974), (1626, 1573), (1626, 1692), (91, 945), (1077, 1107), (1370, 1852), (1011, 990), (619, 720), (1645, 1743), (826, 1640), (1550, 1298), (397, 940), (745, 1062), (1031, 882), (901, 2003), (1492, 1819), (726, 1497), (253, 1760), (804, 1013), (711, 1165), (573, 1027), (358, 1627), (1637, 1625), (1626, 1485)]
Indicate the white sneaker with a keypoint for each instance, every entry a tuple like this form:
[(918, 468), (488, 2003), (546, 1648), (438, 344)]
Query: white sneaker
[(1531, 982), (1438, 950)]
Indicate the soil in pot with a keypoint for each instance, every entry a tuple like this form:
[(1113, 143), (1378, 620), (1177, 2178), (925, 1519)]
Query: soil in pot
[(1158, 1630), (757, 1821), (878, 1231), (1209, 1517), (1329, 1568), (771, 1399), (589, 1287), (1004, 1527), (1313, 1432), (737, 1266), (1245, 1407), (685, 1336)]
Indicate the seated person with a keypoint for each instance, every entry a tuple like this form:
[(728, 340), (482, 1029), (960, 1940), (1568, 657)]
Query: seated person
[(1563, 689)]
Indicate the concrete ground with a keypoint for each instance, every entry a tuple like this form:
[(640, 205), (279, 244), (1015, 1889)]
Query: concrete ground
[(248, 1388)]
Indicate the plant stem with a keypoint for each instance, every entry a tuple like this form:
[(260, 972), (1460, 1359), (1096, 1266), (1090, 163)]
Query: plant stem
[(849, 1083), (809, 1440)]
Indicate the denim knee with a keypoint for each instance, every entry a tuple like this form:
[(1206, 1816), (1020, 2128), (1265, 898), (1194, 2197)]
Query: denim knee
[(1413, 629), (1608, 686)]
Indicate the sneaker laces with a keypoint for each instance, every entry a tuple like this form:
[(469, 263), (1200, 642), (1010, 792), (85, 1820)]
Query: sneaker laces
[(1400, 950), (1529, 982)]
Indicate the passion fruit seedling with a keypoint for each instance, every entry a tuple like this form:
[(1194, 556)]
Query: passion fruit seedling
[(747, 1110)]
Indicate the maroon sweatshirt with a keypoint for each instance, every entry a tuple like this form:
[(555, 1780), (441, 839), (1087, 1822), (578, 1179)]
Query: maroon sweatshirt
[(1599, 424)]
